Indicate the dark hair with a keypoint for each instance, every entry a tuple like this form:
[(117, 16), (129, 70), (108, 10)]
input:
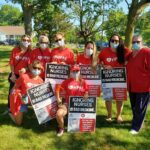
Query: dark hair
[(120, 50), (89, 42)]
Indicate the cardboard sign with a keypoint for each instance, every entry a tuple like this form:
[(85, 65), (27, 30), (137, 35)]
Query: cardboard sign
[(82, 114), (43, 102), (114, 85), (93, 79)]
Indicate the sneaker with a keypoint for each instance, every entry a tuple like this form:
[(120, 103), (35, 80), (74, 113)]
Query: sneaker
[(134, 132), (12, 117), (109, 119), (60, 132)]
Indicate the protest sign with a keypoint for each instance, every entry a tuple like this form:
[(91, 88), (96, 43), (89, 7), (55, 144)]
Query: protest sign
[(56, 74), (82, 114), (92, 79), (114, 84), (43, 102)]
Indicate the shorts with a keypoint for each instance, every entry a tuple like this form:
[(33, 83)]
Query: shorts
[(24, 108)]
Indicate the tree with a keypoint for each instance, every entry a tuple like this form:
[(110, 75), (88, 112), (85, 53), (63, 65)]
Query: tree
[(89, 14), (10, 15), (52, 20), (135, 9)]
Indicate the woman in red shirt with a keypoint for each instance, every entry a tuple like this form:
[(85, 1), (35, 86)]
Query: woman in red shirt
[(42, 53), (114, 56), (74, 86), (19, 60), (89, 54), (18, 96)]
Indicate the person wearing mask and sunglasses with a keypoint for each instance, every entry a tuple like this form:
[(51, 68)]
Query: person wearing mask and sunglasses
[(138, 73), (89, 54), (73, 86), (61, 54), (41, 53), (18, 97), (19, 61), (115, 55)]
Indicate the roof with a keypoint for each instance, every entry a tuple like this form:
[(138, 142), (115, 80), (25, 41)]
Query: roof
[(12, 30)]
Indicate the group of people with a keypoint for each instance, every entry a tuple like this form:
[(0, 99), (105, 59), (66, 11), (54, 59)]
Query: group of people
[(28, 69)]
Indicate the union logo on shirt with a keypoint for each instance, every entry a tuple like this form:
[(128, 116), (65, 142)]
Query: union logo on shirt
[(21, 58), (60, 57), (43, 57), (111, 59), (75, 87), (30, 85)]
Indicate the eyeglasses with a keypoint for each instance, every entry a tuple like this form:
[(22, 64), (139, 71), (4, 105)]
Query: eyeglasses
[(36, 68), (58, 40), (136, 42), (25, 40), (114, 41)]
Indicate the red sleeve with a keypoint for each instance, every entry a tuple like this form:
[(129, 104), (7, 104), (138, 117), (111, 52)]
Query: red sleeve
[(19, 81), (127, 53), (71, 58), (12, 56), (85, 86), (64, 84)]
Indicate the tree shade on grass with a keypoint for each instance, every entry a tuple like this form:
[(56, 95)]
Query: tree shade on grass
[(33, 136)]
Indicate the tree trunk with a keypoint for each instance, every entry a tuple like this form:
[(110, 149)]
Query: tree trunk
[(27, 15)]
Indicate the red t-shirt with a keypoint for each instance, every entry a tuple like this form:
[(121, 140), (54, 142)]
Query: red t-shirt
[(44, 56), (25, 81), (138, 72), (18, 59), (82, 60), (74, 88), (108, 57), (65, 55)]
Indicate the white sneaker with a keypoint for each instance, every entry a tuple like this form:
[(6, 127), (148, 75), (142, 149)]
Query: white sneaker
[(60, 132), (134, 132)]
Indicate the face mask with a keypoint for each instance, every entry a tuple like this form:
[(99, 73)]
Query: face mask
[(25, 44), (61, 43), (113, 45), (135, 46), (43, 46), (75, 75), (89, 52), (36, 72)]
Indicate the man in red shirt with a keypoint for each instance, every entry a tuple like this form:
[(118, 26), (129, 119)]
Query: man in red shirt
[(138, 73), (62, 54), (74, 86), (42, 53)]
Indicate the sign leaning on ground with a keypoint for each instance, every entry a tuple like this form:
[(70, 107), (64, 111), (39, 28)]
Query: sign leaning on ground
[(114, 85), (92, 79), (82, 114), (43, 102), (56, 74)]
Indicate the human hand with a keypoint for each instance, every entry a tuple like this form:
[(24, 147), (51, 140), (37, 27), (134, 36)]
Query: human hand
[(22, 71), (86, 95)]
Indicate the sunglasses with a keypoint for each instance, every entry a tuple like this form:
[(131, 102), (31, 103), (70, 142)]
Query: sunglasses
[(36, 68), (25, 40), (114, 41), (136, 42), (58, 40)]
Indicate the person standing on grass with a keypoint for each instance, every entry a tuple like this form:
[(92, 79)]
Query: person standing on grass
[(114, 56), (42, 53), (73, 86), (18, 97), (61, 54), (138, 73), (19, 61), (89, 54)]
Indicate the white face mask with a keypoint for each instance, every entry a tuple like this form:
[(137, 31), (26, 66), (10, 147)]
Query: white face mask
[(61, 43), (36, 72), (43, 45), (88, 52), (25, 44), (113, 45), (75, 75)]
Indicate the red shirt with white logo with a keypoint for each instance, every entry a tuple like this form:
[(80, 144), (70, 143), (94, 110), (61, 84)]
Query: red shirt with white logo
[(19, 59), (44, 56), (62, 55), (138, 72), (108, 57), (25, 81), (82, 60), (74, 88)]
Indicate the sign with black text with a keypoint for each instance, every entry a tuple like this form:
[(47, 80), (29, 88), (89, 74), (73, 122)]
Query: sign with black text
[(114, 85), (82, 114), (93, 79), (43, 102)]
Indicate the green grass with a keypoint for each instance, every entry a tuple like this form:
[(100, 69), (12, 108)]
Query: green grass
[(31, 136)]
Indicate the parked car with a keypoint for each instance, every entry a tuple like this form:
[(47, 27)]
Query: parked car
[(4, 43), (12, 42)]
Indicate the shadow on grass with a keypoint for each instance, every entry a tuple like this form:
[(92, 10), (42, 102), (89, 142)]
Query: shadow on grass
[(4, 54)]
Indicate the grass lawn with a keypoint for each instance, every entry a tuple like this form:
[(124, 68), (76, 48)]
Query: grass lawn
[(31, 136)]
